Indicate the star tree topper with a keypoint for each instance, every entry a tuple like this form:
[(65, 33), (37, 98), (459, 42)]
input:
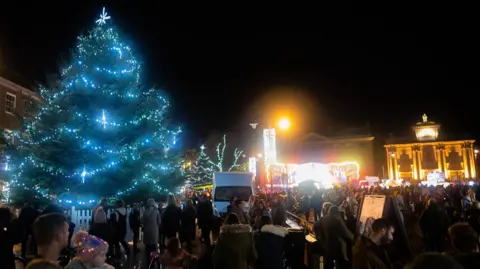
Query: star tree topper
[(103, 17)]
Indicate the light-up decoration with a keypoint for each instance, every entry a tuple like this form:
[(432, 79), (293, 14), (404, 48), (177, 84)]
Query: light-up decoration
[(5, 188), (277, 174), (345, 171), (269, 146), (426, 133), (436, 176), (426, 130), (104, 71), (339, 172), (316, 172), (103, 18), (252, 165), (292, 172)]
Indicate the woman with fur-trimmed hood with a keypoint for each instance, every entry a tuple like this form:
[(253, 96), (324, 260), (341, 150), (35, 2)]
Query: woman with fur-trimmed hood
[(234, 248), (270, 245)]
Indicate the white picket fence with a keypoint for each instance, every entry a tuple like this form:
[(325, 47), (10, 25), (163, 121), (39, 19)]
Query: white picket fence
[(82, 217)]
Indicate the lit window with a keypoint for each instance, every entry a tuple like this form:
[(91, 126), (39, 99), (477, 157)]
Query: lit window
[(27, 109), (10, 103)]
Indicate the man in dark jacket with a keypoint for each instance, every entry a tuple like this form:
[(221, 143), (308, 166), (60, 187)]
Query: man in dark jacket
[(134, 221), (368, 253), (205, 219)]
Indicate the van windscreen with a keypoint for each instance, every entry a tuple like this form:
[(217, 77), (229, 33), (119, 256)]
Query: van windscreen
[(225, 194)]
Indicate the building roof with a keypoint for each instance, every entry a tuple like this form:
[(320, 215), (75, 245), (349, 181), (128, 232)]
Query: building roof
[(442, 138), (16, 78)]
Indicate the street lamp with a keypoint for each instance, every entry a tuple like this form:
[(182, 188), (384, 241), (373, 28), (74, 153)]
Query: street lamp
[(284, 124)]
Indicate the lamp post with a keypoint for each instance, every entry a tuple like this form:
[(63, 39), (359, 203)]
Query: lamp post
[(283, 124)]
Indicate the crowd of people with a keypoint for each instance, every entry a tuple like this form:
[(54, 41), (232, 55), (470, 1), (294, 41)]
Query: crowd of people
[(438, 228), (443, 223)]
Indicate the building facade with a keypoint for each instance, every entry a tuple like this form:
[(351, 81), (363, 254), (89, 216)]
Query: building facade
[(316, 148), (16, 104), (428, 153)]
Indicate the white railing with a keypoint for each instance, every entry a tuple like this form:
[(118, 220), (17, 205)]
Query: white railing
[(82, 217)]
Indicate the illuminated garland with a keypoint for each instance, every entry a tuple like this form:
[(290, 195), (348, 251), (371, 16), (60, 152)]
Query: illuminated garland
[(205, 166), (98, 130)]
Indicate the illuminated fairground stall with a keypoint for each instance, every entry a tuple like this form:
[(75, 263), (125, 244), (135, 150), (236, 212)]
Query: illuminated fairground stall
[(325, 175), (283, 175)]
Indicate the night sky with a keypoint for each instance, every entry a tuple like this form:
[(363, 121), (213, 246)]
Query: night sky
[(224, 66)]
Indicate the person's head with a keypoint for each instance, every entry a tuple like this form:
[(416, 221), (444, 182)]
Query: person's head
[(265, 220), (5, 217), (171, 201), (261, 204), (463, 238), (150, 202), (434, 261), (334, 211), (104, 202), (382, 231), (173, 246), (238, 202), (326, 206), (119, 204), (189, 204), (51, 230), (232, 219), (42, 264), (232, 200), (90, 249)]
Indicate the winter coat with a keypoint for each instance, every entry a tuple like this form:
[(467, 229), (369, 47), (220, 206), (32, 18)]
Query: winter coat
[(205, 214), (334, 236), (188, 225), (269, 244), (77, 264), (367, 255), (234, 248), (171, 221), (151, 226)]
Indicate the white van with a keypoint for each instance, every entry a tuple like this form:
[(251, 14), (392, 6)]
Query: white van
[(227, 185)]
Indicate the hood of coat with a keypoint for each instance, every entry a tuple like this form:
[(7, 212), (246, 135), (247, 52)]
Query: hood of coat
[(122, 210), (235, 229), (276, 230)]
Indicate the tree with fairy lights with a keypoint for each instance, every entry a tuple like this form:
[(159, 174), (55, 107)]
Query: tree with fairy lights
[(99, 131), (205, 166)]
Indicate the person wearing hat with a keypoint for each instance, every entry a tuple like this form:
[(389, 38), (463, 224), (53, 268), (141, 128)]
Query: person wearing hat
[(91, 252)]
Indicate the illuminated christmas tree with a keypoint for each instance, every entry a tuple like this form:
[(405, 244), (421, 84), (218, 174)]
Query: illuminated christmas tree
[(99, 131), (205, 166)]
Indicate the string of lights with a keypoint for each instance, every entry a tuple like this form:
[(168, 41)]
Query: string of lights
[(98, 130), (205, 166)]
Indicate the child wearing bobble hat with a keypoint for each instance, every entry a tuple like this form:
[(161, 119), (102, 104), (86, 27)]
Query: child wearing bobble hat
[(91, 252)]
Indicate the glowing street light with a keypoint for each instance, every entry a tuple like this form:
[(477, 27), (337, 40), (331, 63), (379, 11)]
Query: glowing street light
[(284, 124)]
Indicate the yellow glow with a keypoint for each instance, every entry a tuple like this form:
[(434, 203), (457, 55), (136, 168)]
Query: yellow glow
[(427, 132), (284, 124), (331, 166), (443, 149)]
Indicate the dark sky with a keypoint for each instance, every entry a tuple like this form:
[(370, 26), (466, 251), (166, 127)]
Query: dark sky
[(380, 64)]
